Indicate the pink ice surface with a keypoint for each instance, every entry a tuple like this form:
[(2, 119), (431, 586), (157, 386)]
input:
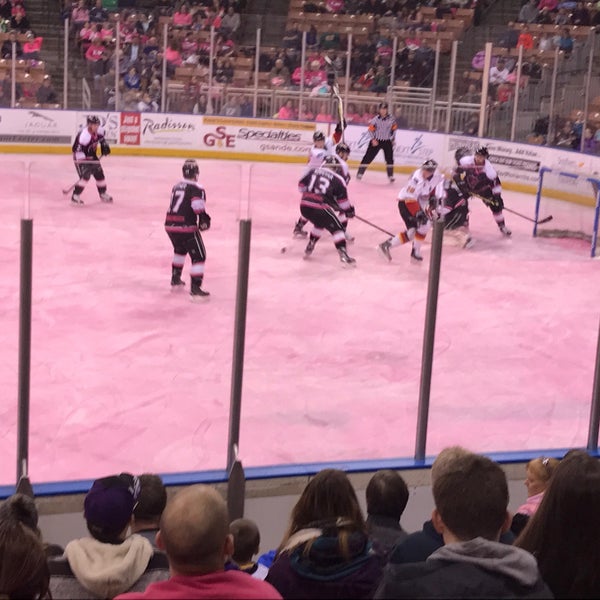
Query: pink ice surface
[(127, 375)]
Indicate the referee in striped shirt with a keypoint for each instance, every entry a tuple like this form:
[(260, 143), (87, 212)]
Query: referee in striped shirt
[(382, 129)]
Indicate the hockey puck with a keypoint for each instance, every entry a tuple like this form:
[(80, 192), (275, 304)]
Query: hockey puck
[(284, 250)]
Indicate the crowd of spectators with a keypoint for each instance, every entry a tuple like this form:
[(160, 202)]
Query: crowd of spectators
[(142, 545), (32, 85)]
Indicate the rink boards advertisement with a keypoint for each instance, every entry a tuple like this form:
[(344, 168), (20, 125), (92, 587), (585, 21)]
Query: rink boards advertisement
[(162, 134)]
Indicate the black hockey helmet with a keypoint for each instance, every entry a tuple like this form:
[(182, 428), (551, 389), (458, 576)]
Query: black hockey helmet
[(382, 105), (93, 120), (342, 148), (332, 162), (483, 151), (318, 136), (190, 169), (429, 165), (461, 153)]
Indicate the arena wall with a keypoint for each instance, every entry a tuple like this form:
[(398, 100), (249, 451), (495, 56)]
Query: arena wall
[(177, 135)]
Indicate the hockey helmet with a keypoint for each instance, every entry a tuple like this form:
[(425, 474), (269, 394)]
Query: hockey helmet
[(332, 162), (429, 165), (342, 148), (318, 136), (461, 153), (482, 151), (190, 169), (93, 120), (383, 105)]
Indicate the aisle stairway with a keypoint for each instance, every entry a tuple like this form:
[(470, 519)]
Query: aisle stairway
[(44, 16)]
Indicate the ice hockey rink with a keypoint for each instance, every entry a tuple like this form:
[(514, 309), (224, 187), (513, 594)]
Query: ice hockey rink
[(128, 375)]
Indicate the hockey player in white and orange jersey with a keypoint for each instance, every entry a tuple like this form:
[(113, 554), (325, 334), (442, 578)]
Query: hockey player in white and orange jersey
[(416, 204)]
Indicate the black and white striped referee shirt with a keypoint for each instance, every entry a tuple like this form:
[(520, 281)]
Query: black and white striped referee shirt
[(382, 128)]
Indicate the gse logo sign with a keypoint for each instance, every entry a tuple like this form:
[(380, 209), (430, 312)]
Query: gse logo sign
[(220, 138)]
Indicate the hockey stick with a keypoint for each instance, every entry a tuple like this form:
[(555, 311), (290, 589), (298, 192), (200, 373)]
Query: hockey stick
[(335, 92), (77, 162), (518, 214), (374, 226)]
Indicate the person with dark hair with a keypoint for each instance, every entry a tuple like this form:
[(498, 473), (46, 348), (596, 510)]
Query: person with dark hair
[(194, 533), (22, 508), (149, 507), (246, 543), (471, 499), (420, 544), (326, 552), (23, 565), (109, 562), (387, 497), (563, 533)]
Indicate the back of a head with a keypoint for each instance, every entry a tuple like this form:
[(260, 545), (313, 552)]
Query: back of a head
[(23, 566), (152, 499), (471, 497), (108, 506), (564, 531), (20, 508), (193, 530), (246, 540), (387, 494), (543, 468), (445, 459), (328, 496)]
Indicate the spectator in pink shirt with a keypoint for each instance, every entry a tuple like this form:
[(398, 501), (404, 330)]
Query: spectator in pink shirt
[(32, 46), (539, 472), (287, 112), (80, 15), (183, 17), (335, 6), (550, 5)]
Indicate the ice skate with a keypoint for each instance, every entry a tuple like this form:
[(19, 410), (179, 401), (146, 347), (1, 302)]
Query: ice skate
[(347, 260), (384, 249), (197, 292), (309, 248), (415, 255), (392, 179), (469, 242), (299, 232), (176, 281), (105, 197), (359, 176), (505, 231), (76, 199)]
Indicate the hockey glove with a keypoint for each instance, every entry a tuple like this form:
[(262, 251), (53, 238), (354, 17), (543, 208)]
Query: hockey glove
[(350, 212), (203, 221), (341, 126), (421, 218), (495, 203), (104, 148)]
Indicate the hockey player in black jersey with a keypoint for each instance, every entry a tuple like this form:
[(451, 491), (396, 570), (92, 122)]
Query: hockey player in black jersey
[(482, 181), (323, 193), (87, 163), (185, 219)]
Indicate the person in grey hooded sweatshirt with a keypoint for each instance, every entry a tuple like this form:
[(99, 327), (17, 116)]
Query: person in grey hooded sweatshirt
[(470, 513), (109, 562)]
